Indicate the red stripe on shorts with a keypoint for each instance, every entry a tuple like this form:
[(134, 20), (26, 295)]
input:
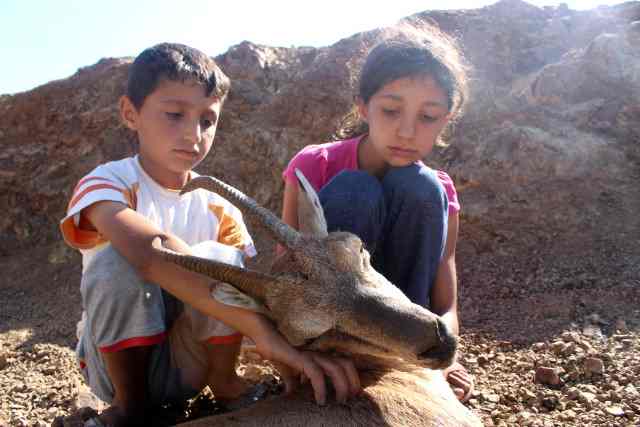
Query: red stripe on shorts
[(134, 342), (227, 339)]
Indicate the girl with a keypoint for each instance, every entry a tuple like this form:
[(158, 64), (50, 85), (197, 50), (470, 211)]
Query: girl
[(373, 183)]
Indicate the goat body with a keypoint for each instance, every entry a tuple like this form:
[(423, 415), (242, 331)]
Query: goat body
[(323, 294), (412, 398)]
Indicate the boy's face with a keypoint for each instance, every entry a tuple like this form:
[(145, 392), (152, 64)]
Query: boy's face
[(176, 126)]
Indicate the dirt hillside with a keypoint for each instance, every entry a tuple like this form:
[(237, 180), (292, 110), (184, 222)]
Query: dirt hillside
[(546, 160)]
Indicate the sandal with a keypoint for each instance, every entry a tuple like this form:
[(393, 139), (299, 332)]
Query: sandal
[(94, 422), (253, 394)]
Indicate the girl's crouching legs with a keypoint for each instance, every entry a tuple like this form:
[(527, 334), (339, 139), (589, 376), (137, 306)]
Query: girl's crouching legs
[(415, 232)]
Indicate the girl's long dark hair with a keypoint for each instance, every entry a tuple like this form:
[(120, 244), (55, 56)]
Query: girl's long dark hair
[(409, 50)]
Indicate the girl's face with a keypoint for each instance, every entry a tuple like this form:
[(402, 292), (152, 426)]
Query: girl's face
[(405, 118)]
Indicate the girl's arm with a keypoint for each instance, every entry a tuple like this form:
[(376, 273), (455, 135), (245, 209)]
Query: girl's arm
[(444, 293), (289, 208), (132, 236)]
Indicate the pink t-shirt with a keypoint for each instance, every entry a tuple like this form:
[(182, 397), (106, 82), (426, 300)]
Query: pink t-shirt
[(321, 162)]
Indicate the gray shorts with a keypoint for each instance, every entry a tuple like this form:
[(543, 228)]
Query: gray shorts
[(122, 311)]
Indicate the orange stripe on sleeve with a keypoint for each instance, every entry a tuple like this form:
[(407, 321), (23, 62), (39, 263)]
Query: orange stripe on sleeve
[(90, 178), (229, 232), (95, 187), (80, 238)]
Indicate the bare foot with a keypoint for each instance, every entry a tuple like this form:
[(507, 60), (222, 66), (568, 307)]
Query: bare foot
[(76, 419), (460, 380), (88, 417), (230, 389)]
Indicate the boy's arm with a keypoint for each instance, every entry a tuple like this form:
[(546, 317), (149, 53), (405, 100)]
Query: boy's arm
[(132, 236), (444, 294)]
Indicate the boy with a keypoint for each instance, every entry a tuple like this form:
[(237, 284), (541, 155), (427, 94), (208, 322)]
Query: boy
[(140, 346)]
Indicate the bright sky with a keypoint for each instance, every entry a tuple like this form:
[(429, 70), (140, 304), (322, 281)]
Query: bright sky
[(44, 40)]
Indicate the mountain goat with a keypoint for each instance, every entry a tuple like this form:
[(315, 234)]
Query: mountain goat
[(324, 295)]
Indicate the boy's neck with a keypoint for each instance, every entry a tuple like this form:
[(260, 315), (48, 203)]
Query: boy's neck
[(162, 177)]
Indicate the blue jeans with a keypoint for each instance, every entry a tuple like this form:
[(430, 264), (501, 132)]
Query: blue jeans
[(401, 219)]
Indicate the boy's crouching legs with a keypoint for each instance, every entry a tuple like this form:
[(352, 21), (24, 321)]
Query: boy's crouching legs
[(221, 373), (125, 325), (206, 351), (127, 370)]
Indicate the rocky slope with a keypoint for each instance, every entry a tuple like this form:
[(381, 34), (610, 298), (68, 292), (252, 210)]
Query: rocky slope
[(546, 159)]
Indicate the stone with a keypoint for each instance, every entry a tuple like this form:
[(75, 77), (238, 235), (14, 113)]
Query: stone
[(85, 398), (539, 346), (573, 393), (568, 415), (621, 325), (616, 411), (493, 398), (586, 346), (546, 375), (593, 366), (558, 347), (587, 399), (550, 402), (631, 391), (570, 337), (527, 395), (570, 349), (553, 106), (591, 330)]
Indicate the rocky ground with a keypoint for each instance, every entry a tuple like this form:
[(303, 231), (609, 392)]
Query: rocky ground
[(546, 160), (552, 340)]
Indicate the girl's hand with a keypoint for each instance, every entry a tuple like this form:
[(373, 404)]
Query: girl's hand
[(340, 370), (314, 366), (460, 380)]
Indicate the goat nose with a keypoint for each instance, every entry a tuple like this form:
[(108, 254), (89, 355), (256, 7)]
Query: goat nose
[(442, 355)]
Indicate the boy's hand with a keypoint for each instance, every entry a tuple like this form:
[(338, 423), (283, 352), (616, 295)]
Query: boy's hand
[(312, 365)]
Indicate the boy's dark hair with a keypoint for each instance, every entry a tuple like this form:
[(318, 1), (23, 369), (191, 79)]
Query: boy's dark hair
[(175, 62), (410, 51)]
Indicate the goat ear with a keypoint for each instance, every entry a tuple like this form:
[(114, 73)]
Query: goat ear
[(310, 214), (228, 295)]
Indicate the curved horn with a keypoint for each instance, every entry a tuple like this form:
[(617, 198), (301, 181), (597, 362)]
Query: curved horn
[(253, 283), (280, 231)]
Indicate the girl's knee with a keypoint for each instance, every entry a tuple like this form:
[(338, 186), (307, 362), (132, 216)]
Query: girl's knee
[(415, 184), (351, 186), (354, 201), (352, 194)]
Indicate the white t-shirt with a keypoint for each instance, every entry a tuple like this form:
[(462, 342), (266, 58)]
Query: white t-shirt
[(195, 217)]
